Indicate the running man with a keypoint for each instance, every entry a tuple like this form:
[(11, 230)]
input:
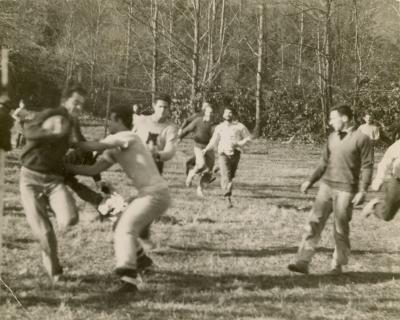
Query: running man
[(160, 136), (203, 128), (386, 208), (347, 155), (151, 202), (191, 161), (42, 181), (231, 136), (157, 131)]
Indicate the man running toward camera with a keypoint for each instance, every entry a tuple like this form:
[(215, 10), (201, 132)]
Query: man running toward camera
[(345, 171)]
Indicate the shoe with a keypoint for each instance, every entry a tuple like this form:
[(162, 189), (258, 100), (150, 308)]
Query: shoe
[(199, 192), (369, 208), (230, 204), (337, 269), (144, 263), (299, 266)]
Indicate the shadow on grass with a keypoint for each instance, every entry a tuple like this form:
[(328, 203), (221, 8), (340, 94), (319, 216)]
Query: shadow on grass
[(234, 281), (265, 252), (173, 287)]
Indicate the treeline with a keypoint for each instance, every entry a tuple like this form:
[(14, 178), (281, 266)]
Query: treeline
[(282, 63)]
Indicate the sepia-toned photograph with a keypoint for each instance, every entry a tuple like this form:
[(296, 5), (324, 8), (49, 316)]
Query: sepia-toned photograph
[(199, 159)]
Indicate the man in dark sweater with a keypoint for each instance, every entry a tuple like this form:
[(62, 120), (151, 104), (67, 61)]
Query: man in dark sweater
[(42, 181), (345, 172), (203, 128), (191, 162)]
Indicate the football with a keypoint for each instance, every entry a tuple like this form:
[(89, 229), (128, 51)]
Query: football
[(55, 124)]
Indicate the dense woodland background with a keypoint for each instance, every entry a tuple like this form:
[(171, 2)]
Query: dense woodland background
[(282, 63)]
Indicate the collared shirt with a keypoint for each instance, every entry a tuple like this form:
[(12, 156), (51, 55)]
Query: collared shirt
[(227, 135), (370, 130), (390, 163)]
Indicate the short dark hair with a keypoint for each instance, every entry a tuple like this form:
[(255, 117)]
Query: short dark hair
[(123, 112), (233, 109), (70, 90), (163, 97), (344, 110)]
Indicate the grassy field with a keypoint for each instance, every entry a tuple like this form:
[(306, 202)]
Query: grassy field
[(212, 263)]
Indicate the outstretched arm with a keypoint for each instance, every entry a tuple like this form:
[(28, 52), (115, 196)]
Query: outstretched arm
[(213, 141), (95, 169), (170, 145)]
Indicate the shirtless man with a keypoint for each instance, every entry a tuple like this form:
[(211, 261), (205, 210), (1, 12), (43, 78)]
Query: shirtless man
[(152, 200)]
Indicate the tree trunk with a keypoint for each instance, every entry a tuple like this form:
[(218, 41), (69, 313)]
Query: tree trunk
[(128, 43), (260, 56), (154, 71), (301, 40), (357, 57), (170, 54), (195, 55)]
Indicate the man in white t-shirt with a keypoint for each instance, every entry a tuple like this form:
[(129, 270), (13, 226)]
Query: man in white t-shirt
[(160, 135), (157, 131), (231, 136), (152, 200)]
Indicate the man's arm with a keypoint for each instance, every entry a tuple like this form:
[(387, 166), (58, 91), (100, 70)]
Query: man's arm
[(90, 146), (93, 170), (319, 171), (246, 137), (189, 128), (171, 140), (213, 141), (383, 167), (33, 130), (189, 120)]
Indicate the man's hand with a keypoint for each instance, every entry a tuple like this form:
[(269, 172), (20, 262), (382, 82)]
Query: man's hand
[(359, 198), (376, 184), (305, 186)]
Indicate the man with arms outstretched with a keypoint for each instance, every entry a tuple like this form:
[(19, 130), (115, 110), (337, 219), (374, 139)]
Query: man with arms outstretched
[(151, 202)]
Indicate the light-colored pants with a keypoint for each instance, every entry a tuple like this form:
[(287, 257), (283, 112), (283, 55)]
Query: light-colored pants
[(329, 200), (228, 165), (137, 216), (204, 164), (37, 191)]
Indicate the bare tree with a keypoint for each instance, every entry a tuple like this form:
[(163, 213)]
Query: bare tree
[(259, 76), (154, 73)]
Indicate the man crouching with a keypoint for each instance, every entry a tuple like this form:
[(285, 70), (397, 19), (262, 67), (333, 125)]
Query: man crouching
[(152, 201)]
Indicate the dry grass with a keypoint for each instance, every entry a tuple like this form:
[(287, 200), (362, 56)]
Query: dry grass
[(212, 263)]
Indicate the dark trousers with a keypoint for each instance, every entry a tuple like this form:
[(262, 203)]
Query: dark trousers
[(84, 192), (190, 163), (228, 165), (387, 207)]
